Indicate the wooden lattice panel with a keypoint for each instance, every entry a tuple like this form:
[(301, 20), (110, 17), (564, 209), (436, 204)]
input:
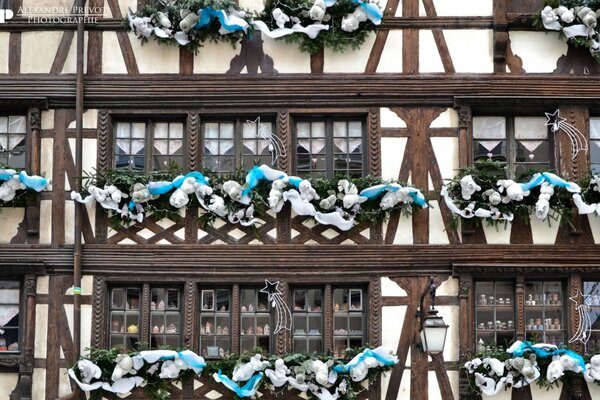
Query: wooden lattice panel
[(223, 232), (307, 231), (150, 231)]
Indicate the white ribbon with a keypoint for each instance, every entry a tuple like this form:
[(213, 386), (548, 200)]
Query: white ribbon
[(312, 31)]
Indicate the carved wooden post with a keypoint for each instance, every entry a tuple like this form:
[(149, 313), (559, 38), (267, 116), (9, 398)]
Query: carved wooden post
[(188, 321), (99, 313), (328, 319), (235, 318), (283, 340), (520, 304), (104, 152), (465, 338), (33, 202), (24, 384), (193, 163)]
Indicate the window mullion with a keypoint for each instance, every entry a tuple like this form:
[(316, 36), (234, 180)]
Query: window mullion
[(149, 145), (145, 315)]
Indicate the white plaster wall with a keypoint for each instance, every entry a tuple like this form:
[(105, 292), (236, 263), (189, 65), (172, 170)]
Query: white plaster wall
[(41, 330), (538, 50), (287, 58), (552, 394), (214, 58), (433, 389), (450, 315), (86, 327), (389, 119), (447, 119), (448, 288), (351, 60), (38, 390), (391, 57), (391, 288), (595, 227), (90, 121), (496, 233), (89, 154), (48, 119), (392, 320), (8, 382), (594, 390), (403, 392), (471, 50), (460, 7), (70, 66), (124, 5), (541, 233), (42, 285), (69, 222), (46, 159), (437, 229), (446, 154), (11, 218), (429, 55), (404, 233), (45, 221), (112, 58), (392, 154), (4, 52), (154, 59), (38, 49), (64, 386), (252, 5)]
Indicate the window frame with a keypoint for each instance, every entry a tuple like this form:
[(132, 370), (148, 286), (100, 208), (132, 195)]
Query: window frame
[(7, 354), (238, 136), (150, 122), (26, 133), (329, 121), (511, 142)]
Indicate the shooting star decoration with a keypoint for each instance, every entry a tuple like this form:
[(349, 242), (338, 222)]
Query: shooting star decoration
[(585, 322), (284, 315), (276, 146), (558, 123)]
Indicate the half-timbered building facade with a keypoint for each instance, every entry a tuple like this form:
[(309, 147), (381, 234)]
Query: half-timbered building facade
[(408, 105)]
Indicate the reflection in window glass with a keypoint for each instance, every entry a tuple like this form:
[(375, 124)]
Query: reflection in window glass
[(348, 320), (165, 317), (594, 145), (13, 129), (544, 316), (256, 322), (307, 314), (494, 315), (9, 316), (215, 323), (124, 317)]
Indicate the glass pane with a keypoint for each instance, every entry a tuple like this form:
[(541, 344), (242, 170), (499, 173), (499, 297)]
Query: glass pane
[(3, 124), (211, 130), (249, 131), (16, 124), (355, 129), (123, 129), (138, 130), (489, 127), (532, 151), (339, 129), (161, 130), (318, 129), (303, 129), (175, 147), (531, 128), (594, 128), (227, 130), (176, 130)]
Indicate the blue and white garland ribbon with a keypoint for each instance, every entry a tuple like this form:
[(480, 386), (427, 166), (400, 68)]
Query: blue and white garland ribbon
[(509, 191), (492, 375), (300, 195), (13, 181), (246, 377), (232, 20)]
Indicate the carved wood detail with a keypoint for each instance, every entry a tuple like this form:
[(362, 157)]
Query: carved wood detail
[(235, 317), (104, 154), (252, 56), (520, 302), (284, 131), (568, 167), (577, 62), (375, 320), (328, 319), (145, 314), (573, 285), (194, 153), (374, 142), (189, 306), (99, 313)]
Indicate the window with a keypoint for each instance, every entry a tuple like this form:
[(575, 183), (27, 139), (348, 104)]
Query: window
[(13, 130), (592, 289), (308, 320), (148, 145), (348, 320), (165, 311), (9, 316), (544, 315), (256, 320), (124, 317), (522, 143), (236, 143), (594, 145), (215, 323), (328, 147), (495, 314)]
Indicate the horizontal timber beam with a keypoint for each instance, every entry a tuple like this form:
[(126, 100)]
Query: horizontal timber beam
[(299, 90)]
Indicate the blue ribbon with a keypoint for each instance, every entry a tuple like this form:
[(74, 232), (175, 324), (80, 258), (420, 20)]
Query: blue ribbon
[(372, 10), (34, 182), (560, 182), (418, 198), (255, 175), (208, 14), (6, 174), (374, 192), (249, 388), (387, 361), (526, 346), (162, 187), (537, 180)]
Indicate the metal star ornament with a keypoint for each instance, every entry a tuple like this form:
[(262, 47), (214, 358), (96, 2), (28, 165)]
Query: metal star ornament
[(558, 123), (582, 334), (276, 146), (284, 315)]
